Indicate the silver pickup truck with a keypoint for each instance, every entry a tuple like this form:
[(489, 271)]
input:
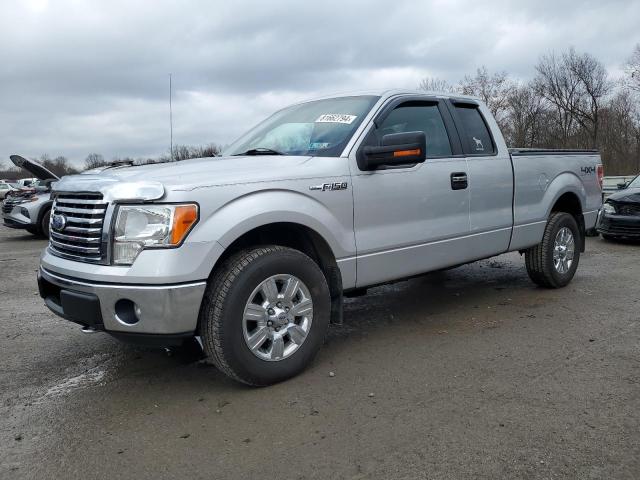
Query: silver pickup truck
[(253, 251)]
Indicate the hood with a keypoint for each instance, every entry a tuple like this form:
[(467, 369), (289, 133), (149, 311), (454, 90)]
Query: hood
[(33, 167), (214, 170), (628, 195), (194, 173)]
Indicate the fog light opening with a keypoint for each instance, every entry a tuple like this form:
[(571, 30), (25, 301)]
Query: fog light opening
[(127, 312)]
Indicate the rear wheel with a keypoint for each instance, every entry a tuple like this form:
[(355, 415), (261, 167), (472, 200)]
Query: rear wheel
[(553, 262), (265, 314)]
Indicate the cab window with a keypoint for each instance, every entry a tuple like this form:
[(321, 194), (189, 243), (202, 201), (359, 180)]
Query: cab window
[(418, 117), (476, 137)]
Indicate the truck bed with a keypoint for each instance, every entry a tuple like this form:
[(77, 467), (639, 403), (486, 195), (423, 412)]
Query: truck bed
[(541, 177)]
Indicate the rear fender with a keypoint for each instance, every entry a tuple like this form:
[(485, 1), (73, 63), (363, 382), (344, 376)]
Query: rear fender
[(531, 218), (564, 183)]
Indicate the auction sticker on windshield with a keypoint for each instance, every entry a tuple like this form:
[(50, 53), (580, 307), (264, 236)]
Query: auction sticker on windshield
[(336, 118)]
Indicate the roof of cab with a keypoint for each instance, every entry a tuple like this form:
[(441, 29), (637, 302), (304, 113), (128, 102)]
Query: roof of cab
[(385, 94)]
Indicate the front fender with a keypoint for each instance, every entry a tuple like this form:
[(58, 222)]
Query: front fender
[(255, 209), (328, 214)]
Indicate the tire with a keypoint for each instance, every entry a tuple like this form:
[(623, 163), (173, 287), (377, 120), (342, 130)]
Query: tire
[(43, 226), (224, 326), (539, 260)]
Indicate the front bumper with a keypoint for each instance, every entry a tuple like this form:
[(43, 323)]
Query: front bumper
[(15, 223), (162, 315), (619, 225), (12, 216)]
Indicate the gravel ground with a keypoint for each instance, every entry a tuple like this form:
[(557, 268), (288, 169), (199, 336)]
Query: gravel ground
[(469, 373)]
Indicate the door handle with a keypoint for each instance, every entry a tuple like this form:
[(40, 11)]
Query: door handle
[(459, 181)]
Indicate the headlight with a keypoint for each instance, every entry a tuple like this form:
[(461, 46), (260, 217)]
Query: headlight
[(609, 209), (150, 226)]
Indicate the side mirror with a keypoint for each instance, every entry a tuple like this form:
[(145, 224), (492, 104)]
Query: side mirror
[(397, 149), (622, 186)]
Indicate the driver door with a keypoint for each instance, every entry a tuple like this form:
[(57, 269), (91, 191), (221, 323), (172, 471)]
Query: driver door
[(411, 219)]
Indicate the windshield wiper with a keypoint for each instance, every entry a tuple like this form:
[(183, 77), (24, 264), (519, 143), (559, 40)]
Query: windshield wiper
[(259, 151)]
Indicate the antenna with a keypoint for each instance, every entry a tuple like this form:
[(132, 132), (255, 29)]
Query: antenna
[(170, 120)]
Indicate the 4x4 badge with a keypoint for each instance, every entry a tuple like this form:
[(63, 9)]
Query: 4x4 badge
[(330, 186)]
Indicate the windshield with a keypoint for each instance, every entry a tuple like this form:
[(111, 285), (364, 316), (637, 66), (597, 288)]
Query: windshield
[(635, 183), (319, 128)]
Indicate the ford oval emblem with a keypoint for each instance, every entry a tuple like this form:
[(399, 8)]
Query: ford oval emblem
[(58, 222)]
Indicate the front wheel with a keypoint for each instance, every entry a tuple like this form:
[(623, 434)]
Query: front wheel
[(553, 262), (265, 315)]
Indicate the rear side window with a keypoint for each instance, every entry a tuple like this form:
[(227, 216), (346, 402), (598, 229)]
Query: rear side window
[(418, 117), (476, 136)]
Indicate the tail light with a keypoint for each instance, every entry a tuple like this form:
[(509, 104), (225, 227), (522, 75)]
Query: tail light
[(600, 175)]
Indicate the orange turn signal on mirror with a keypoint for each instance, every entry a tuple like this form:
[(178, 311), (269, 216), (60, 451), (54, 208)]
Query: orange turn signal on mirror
[(184, 218), (406, 153)]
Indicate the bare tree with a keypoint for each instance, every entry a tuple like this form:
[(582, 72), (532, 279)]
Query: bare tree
[(620, 134), (525, 116), (493, 89), (59, 166), (633, 69), (94, 160), (559, 87), (434, 84), (594, 86), (185, 152), (574, 85)]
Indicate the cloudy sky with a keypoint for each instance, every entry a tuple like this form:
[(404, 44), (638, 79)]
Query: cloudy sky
[(82, 76)]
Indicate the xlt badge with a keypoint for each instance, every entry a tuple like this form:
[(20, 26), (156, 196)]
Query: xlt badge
[(330, 186)]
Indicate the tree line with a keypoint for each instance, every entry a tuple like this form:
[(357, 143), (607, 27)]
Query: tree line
[(571, 102), (61, 165)]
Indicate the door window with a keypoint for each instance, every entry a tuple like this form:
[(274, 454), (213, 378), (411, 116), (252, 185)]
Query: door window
[(476, 136), (418, 117)]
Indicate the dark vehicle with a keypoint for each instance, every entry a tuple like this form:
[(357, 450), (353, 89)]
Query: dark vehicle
[(620, 215)]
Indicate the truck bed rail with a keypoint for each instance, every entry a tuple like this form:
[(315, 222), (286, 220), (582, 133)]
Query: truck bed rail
[(551, 151)]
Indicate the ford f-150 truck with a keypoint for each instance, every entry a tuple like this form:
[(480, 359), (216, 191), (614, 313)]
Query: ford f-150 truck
[(253, 251)]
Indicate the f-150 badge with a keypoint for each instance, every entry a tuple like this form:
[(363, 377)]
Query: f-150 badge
[(330, 186)]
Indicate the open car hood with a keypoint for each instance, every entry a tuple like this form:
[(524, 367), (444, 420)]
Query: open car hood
[(33, 167)]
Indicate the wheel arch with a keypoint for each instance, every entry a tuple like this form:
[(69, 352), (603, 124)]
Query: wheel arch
[(299, 237), (570, 203)]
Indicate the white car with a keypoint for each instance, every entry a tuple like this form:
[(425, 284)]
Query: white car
[(5, 188), (30, 208)]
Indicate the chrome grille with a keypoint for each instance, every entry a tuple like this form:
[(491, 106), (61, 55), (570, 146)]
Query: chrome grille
[(81, 237), (628, 209), (8, 205)]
